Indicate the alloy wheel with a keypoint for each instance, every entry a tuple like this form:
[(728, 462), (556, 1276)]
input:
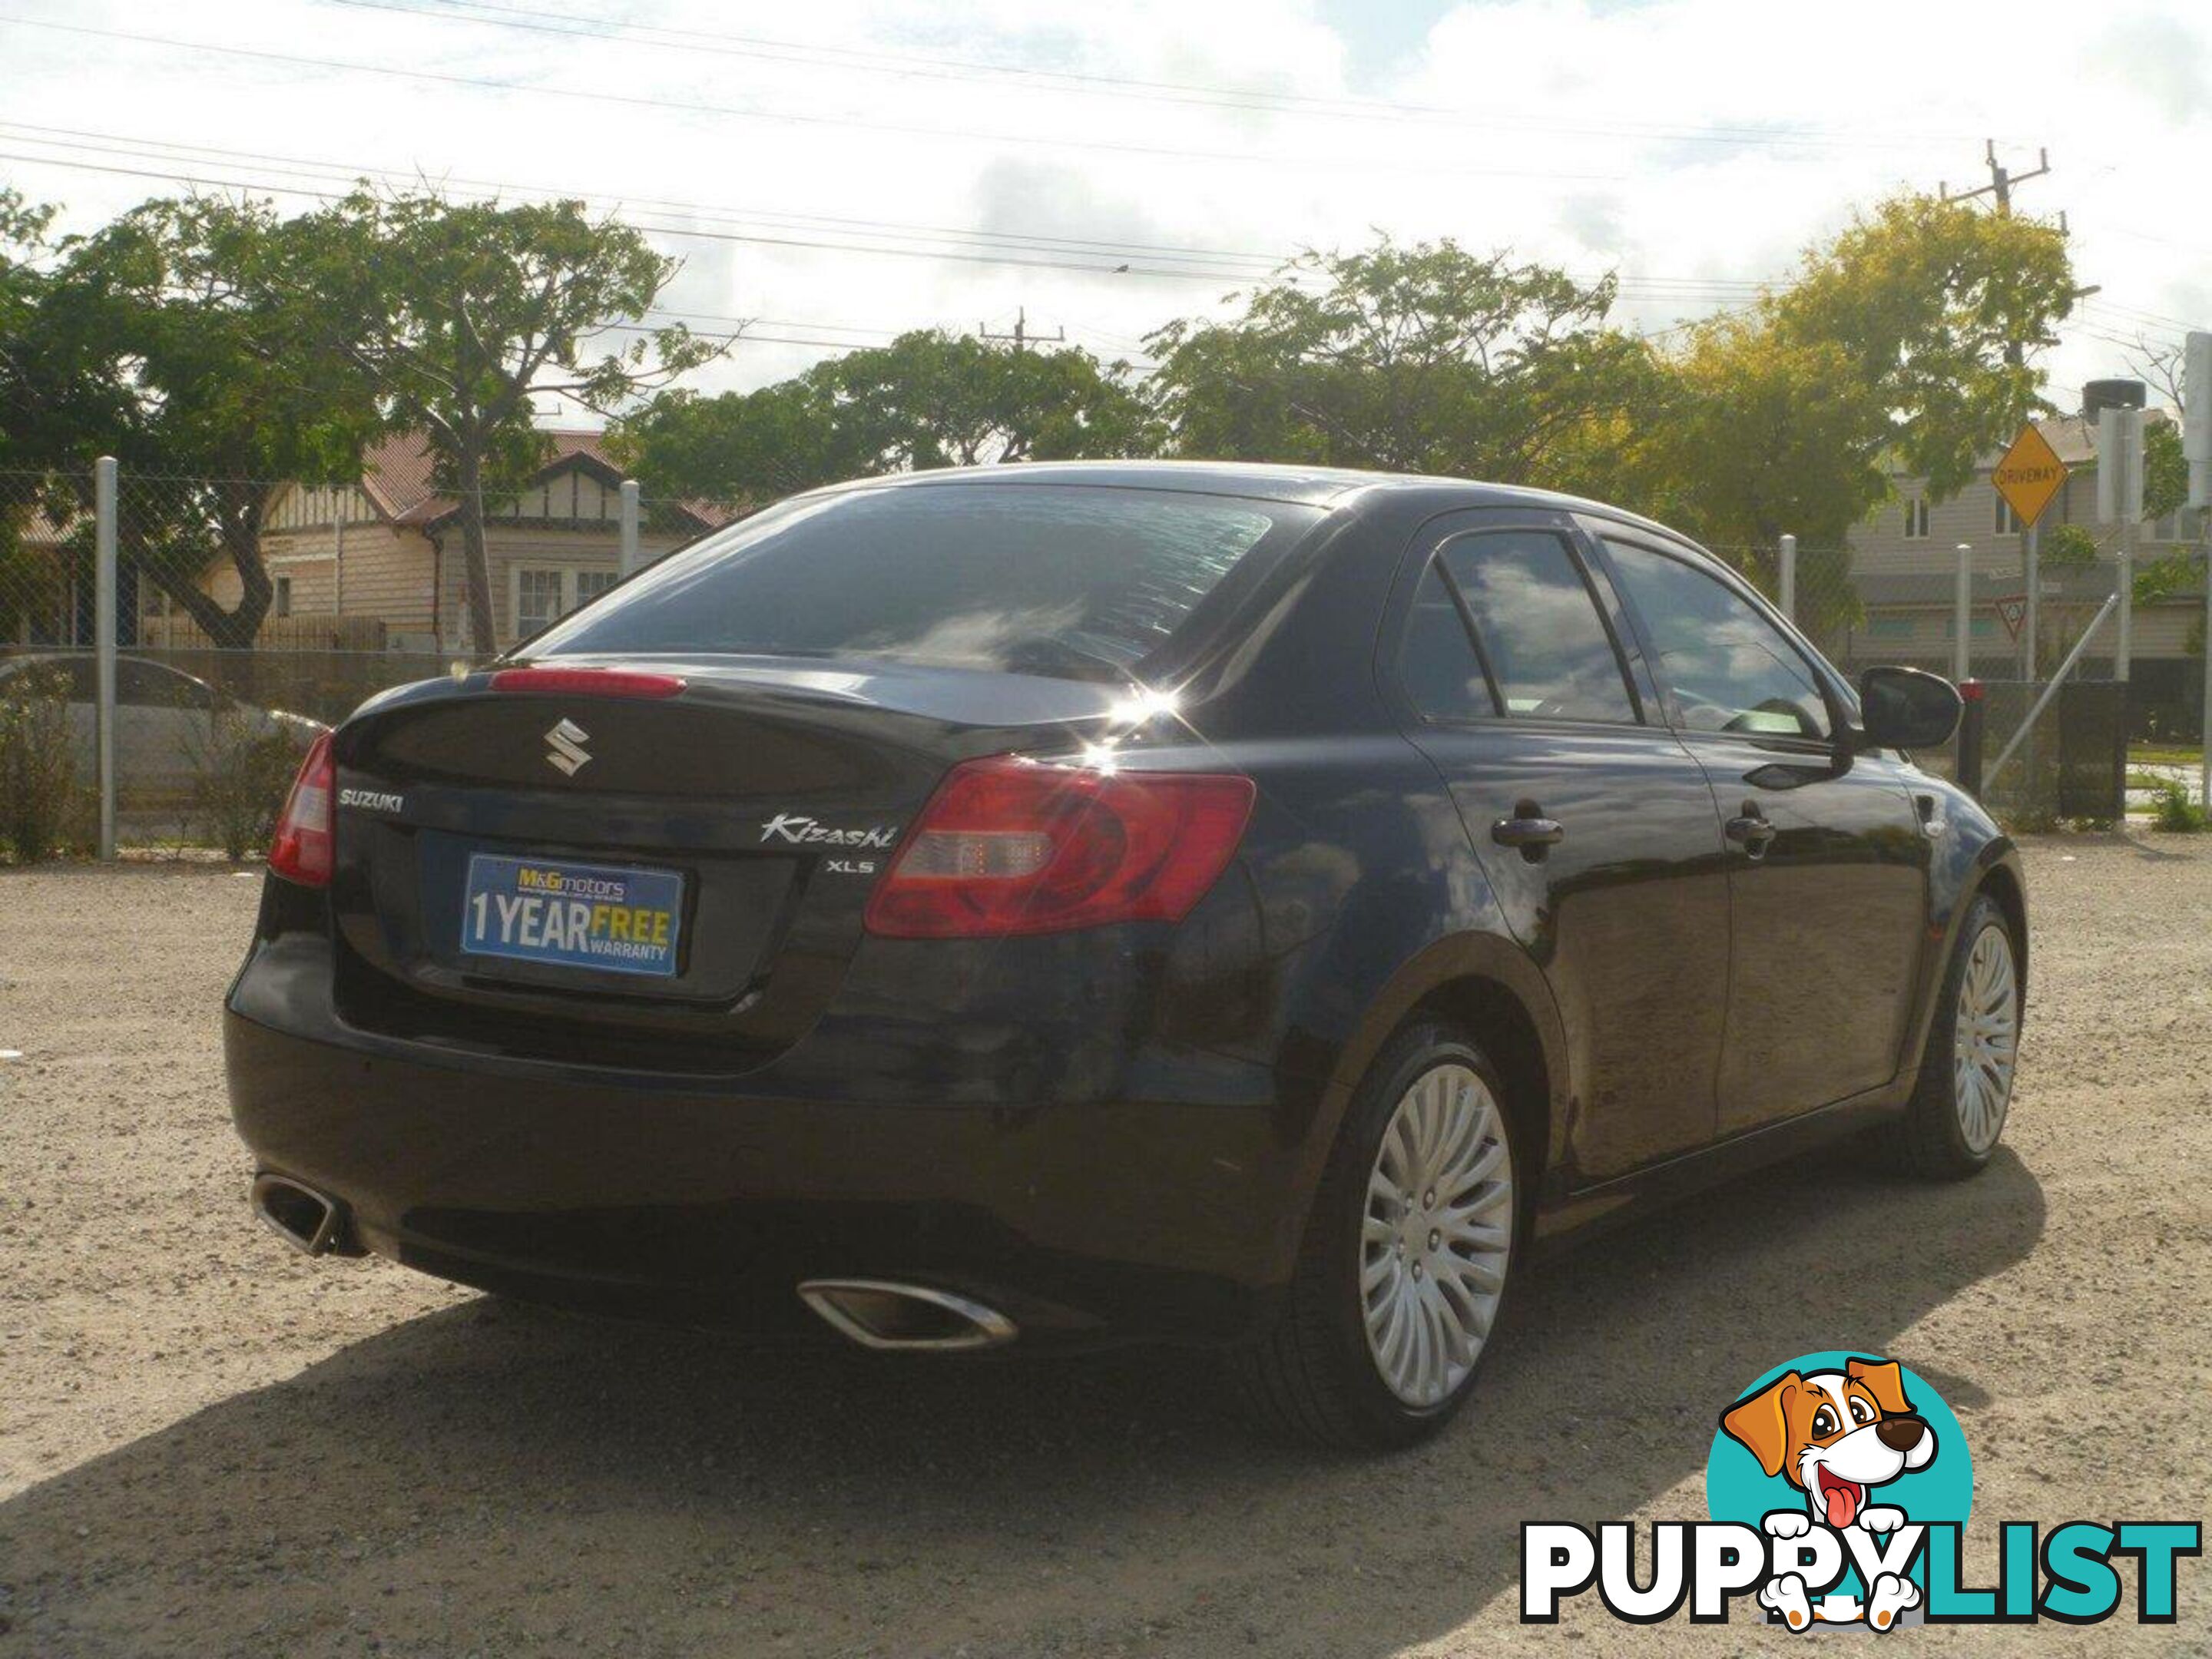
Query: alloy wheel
[(1437, 1234), (1986, 1040)]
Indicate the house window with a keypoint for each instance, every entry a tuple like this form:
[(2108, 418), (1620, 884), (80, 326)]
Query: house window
[(546, 593), (1916, 519), (282, 604), (536, 600), (2008, 522), (1879, 627)]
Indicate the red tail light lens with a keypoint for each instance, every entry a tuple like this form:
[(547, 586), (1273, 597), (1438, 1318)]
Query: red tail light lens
[(301, 851), (1010, 846), (587, 681)]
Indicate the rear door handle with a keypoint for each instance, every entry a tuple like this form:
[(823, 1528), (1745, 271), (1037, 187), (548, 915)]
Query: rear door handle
[(1528, 832), (1751, 831)]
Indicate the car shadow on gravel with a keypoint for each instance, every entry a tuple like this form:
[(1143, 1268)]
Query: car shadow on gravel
[(492, 1479)]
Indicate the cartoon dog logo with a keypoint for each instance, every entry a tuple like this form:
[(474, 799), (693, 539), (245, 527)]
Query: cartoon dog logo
[(1835, 1436)]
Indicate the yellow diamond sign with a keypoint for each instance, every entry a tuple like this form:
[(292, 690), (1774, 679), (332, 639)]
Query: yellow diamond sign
[(2030, 474)]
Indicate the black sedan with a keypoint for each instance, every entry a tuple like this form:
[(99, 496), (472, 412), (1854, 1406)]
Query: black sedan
[(1234, 906)]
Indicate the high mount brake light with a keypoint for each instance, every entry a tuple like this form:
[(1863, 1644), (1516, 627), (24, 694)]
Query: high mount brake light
[(587, 681), (1011, 846), (302, 850)]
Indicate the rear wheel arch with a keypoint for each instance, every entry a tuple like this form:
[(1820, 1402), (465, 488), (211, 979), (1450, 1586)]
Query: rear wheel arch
[(1496, 1020), (1485, 986)]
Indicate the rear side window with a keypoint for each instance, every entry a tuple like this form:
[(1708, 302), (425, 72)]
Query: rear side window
[(1725, 667), (1538, 629), (1071, 580)]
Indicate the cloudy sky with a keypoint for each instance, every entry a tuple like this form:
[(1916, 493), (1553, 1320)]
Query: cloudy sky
[(837, 171)]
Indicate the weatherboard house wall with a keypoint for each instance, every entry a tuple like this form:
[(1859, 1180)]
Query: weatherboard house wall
[(1905, 583), (389, 548)]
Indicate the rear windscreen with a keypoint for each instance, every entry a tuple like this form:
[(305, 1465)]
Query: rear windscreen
[(1047, 578)]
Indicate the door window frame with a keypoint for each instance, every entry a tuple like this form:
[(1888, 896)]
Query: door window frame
[(1424, 552), (1842, 707)]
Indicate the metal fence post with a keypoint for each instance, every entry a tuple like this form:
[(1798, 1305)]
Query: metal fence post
[(2123, 642), (630, 561), (1788, 574), (1963, 600), (2031, 571), (103, 645), (2205, 714)]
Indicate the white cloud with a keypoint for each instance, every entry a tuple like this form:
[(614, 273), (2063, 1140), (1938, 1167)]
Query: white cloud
[(1695, 145)]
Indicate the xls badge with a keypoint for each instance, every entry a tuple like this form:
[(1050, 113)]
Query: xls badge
[(1840, 1487)]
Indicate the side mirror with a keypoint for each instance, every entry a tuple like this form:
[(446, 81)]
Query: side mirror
[(1907, 708)]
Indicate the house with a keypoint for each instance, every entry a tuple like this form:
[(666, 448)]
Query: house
[(380, 560), (1904, 564)]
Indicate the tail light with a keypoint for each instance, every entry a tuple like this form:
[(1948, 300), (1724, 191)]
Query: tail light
[(1011, 846), (301, 851)]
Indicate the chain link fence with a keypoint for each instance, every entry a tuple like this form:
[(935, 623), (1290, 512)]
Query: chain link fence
[(2073, 766), (249, 614)]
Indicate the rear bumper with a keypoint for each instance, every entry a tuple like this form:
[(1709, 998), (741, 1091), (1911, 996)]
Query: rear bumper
[(1084, 1221)]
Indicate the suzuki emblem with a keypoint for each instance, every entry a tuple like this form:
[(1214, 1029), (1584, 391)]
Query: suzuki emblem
[(568, 752)]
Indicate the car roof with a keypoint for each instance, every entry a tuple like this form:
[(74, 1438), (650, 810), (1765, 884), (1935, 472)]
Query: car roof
[(1314, 486)]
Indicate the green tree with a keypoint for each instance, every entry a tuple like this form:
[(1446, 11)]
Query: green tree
[(1941, 308), (928, 399), (463, 313), (189, 374), (742, 448), (1424, 358)]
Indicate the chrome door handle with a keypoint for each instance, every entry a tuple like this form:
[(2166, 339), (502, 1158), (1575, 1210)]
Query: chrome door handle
[(1526, 832), (1752, 831)]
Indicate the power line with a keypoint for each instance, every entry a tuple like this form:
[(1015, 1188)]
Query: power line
[(1019, 249), (1246, 99), (325, 171), (682, 232), (1176, 153)]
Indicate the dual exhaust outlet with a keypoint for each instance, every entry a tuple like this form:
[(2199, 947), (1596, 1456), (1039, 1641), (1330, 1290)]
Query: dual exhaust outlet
[(312, 1223), (875, 1313)]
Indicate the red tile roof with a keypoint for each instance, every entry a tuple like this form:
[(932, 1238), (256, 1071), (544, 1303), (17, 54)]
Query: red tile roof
[(398, 475)]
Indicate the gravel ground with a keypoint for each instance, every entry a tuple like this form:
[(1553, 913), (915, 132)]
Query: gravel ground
[(211, 1445)]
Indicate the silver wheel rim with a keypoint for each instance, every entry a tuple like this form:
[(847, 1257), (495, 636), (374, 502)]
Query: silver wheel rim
[(1438, 1235), (1985, 1042)]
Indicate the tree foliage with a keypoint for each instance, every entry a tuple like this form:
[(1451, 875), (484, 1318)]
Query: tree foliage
[(928, 399), (190, 375), (461, 313), (1930, 301), (1426, 358)]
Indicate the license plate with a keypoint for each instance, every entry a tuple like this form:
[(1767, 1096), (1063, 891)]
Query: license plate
[(576, 915)]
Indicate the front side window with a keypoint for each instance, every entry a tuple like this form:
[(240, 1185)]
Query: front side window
[(1546, 647), (1076, 581), (1726, 667)]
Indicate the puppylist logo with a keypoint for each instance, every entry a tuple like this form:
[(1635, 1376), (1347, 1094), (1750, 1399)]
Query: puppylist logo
[(1840, 1487)]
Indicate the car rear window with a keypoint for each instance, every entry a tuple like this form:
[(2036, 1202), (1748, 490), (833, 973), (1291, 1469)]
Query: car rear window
[(1071, 580)]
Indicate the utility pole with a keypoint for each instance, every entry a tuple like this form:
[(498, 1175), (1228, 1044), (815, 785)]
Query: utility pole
[(1021, 337), (1999, 189)]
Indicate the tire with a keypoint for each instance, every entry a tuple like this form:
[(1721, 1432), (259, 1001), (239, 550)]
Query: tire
[(1953, 1123), (1326, 1372)]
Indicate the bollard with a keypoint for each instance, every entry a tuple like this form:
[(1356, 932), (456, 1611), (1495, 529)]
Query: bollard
[(1973, 694)]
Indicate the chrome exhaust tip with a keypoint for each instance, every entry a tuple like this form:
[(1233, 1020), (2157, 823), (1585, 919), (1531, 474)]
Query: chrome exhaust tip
[(304, 1218), (877, 1314)]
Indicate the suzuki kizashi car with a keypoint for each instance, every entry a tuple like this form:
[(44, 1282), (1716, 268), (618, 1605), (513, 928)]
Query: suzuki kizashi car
[(1233, 907)]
